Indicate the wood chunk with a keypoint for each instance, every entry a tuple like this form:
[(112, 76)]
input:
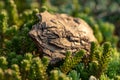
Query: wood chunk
[(57, 33)]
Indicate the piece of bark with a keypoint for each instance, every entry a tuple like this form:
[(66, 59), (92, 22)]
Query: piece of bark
[(56, 34)]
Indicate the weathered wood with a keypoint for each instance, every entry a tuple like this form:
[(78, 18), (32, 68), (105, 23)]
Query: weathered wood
[(56, 34)]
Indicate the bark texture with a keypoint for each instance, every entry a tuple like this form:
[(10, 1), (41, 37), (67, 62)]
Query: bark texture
[(57, 33)]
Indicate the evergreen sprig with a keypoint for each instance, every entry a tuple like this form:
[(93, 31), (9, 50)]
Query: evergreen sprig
[(57, 75), (13, 13), (71, 61), (101, 57), (3, 27)]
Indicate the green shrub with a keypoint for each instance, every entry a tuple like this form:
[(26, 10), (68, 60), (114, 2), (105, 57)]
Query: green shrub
[(20, 59)]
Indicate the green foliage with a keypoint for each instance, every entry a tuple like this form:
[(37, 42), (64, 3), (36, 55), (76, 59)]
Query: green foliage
[(74, 75), (107, 29), (103, 31), (70, 61), (19, 40), (3, 62), (12, 10), (99, 59), (22, 67), (39, 69), (3, 26), (113, 70), (19, 57), (57, 75), (104, 77)]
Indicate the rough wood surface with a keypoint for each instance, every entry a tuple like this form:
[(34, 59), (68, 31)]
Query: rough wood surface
[(58, 33)]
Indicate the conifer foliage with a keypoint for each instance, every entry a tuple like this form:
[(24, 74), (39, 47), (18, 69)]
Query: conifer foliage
[(21, 60)]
